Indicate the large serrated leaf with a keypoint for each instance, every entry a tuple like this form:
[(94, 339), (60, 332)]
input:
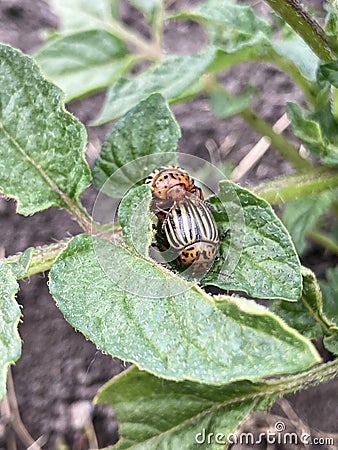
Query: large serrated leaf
[(135, 220), (140, 312), (79, 15), (257, 255), (84, 62), (144, 139), (10, 342), (156, 413), (41, 145), (170, 77)]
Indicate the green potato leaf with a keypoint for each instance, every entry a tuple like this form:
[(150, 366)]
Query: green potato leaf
[(329, 291), (41, 145), (157, 413), (10, 342), (135, 219), (144, 139), (139, 311), (84, 62), (79, 15), (257, 255), (170, 77)]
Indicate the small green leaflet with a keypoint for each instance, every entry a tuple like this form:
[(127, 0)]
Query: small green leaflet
[(157, 413), (135, 220), (257, 255), (20, 268), (170, 77), (318, 130), (84, 62), (79, 15), (329, 72), (301, 215), (329, 291), (41, 145), (10, 342), (141, 141), (141, 312), (230, 26)]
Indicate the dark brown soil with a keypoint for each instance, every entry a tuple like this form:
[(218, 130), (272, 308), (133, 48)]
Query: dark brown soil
[(58, 367)]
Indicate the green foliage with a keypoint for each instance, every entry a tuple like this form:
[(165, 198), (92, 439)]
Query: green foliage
[(20, 268), (144, 139), (41, 145), (302, 215), (156, 413), (329, 290), (204, 358), (257, 255), (166, 325), (135, 220), (171, 77), (82, 15), (84, 62), (10, 342)]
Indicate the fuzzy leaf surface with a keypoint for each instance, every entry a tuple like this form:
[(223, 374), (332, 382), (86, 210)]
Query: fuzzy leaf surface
[(141, 312), (257, 255), (170, 77), (157, 413), (79, 15), (41, 145), (135, 219), (20, 268), (144, 139), (10, 342), (84, 62), (230, 26)]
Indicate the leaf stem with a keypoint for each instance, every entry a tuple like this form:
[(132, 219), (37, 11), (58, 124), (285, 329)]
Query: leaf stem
[(324, 240), (279, 142), (312, 377), (295, 186), (305, 25), (148, 49), (157, 26), (42, 257)]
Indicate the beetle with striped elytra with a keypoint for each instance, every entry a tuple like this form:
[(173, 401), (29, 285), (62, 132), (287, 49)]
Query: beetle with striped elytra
[(190, 234), (186, 228)]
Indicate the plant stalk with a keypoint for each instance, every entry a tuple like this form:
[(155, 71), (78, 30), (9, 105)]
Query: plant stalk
[(148, 49), (296, 186), (305, 25), (323, 239), (279, 142)]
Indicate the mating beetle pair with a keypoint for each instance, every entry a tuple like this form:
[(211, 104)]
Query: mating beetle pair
[(186, 225)]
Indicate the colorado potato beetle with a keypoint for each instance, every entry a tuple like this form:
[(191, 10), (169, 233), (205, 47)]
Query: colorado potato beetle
[(191, 235), (170, 185)]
